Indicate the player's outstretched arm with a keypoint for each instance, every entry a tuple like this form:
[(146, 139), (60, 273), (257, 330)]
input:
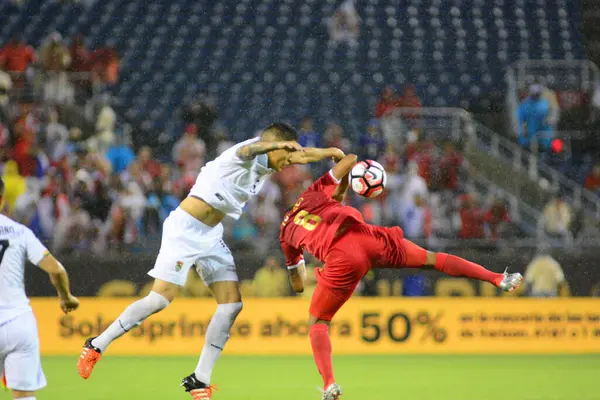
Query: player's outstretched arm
[(341, 172), (60, 280), (249, 151), (313, 154)]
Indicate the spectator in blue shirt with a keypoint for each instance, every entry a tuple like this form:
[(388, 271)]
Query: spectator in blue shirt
[(371, 143), (532, 116), (308, 137), (120, 155)]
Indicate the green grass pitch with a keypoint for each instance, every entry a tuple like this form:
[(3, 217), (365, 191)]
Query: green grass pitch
[(362, 377)]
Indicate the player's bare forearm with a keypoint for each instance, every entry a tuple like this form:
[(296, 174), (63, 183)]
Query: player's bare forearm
[(340, 191), (249, 151), (341, 171), (58, 275), (344, 166), (60, 280), (313, 154)]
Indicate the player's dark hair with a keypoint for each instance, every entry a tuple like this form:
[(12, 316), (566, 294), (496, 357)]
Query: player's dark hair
[(283, 131), (1, 188)]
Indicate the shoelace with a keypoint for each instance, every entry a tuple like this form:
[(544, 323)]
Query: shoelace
[(87, 352), (208, 390)]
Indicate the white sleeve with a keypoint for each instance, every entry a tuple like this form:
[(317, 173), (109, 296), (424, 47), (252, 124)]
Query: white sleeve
[(36, 251), (336, 180)]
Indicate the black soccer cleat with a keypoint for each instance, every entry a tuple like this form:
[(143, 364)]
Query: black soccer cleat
[(190, 383)]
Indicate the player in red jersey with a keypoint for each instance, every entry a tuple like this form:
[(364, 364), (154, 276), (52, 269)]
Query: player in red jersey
[(338, 236)]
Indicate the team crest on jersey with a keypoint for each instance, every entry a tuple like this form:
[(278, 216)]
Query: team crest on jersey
[(178, 266)]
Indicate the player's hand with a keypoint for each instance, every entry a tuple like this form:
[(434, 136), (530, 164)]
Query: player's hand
[(290, 146), (297, 278), (68, 304), (336, 154)]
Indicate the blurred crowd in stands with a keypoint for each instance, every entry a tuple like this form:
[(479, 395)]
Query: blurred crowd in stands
[(73, 174)]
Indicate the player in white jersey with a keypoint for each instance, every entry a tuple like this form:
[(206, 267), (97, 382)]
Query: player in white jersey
[(192, 236), (20, 365)]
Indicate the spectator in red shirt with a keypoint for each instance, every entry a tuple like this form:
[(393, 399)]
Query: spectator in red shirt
[(592, 182), (25, 150), (105, 64), (409, 99), (471, 219), (390, 159), (334, 137), (80, 58), (16, 55), (497, 219), (387, 103), (420, 151), (189, 152), (448, 167), (147, 164)]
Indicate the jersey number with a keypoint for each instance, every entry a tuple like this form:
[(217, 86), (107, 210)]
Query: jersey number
[(3, 246), (306, 220)]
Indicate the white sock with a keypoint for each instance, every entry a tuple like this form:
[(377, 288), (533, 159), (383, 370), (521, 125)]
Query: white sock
[(217, 335), (27, 398), (133, 315)]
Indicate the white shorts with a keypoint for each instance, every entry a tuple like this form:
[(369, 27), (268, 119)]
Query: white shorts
[(186, 242), (20, 354)]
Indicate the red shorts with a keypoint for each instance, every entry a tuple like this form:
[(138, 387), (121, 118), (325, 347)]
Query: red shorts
[(351, 256)]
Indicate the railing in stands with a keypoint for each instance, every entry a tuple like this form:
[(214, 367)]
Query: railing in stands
[(458, 124)]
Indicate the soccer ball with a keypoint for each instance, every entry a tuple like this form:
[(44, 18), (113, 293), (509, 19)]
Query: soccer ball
[(368, 178)]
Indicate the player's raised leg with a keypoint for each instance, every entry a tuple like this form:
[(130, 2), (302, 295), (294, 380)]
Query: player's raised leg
[(229, 305), (417, 257), (184, 241), (159, 298)]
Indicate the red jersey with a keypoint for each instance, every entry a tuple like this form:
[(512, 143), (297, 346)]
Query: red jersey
[(314, 221)]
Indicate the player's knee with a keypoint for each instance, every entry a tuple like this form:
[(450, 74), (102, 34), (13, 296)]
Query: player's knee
[(231, 310), (167, 290), (431, 259), (157, 301), (312, 320), (226, 292)]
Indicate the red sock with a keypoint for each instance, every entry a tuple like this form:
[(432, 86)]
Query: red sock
[(321, 346), (456, 266)]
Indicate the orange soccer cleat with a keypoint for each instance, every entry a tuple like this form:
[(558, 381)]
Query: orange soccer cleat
[(90, 355), (197, 389)]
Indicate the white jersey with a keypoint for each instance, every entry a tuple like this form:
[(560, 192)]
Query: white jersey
[(17, 245), (228, 182)]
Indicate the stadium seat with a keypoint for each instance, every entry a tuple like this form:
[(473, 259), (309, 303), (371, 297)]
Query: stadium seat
[(436, 45)]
